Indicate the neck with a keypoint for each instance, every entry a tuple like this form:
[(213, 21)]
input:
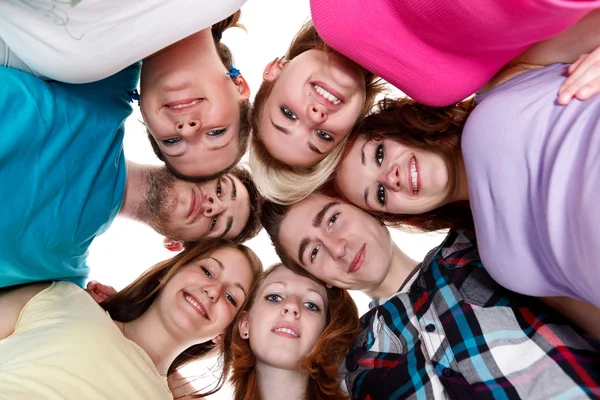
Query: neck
[(162, 345), (462, 187), (136, 188), (400, 268), (280, 384)]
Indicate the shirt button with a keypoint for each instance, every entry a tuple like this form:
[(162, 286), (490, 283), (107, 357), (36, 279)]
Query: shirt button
[(430, 328), (447, 372)]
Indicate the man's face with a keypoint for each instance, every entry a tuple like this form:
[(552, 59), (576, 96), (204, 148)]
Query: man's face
[(337, 242), (192, 211)]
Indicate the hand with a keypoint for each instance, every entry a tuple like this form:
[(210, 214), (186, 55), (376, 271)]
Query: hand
[(100, 292), (584, 78)]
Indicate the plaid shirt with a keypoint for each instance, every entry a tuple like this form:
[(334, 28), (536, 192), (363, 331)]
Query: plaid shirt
[(455, 333)]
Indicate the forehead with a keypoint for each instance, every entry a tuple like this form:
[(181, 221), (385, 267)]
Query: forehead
[(241, 207), (294, 282), (236, 266)]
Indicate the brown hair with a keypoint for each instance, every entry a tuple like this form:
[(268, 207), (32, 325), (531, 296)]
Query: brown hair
[(271, 217), (433, 129), (303, 179), (244, 133), (133, 301), (321, 363)]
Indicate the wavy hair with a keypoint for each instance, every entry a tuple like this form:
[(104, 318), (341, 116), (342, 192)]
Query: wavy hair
[(244, 133), (433, 129), (133, 301), (276, 180), (321, 363)]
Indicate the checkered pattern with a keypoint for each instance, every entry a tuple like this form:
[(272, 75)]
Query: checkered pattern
[(455, 333)]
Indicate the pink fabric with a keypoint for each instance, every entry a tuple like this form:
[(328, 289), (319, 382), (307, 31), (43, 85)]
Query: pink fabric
[(439, 52)]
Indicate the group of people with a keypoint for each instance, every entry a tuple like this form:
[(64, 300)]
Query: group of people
[(505, 307)]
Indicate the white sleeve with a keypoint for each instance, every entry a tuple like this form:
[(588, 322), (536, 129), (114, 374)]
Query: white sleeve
[(98, 38)]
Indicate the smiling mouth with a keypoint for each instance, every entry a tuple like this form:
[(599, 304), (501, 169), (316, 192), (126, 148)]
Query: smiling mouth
[(414, 175), (193, 204), (286, 332), (358, 260), (327, 96), (197, 305), (182, 106)]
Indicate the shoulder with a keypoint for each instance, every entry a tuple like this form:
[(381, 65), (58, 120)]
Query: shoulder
[(13, 301)]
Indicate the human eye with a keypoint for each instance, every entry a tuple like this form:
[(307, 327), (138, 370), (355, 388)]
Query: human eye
[(381, 195), (171, 141), (312, 306), (274, 298), (231, 299), (217, 132), (213, 223), (314, 252), (379, 156), (219, 189), (206, 271), (326, 137), (289, 114), (332, 220)]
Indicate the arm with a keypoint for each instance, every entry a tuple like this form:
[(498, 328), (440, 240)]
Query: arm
[(585, 315), (12, 302)]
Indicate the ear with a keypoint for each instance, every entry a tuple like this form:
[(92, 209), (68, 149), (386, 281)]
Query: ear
[(242, 86), (218, 339), (243, 325), (172, 244), (274, 68)]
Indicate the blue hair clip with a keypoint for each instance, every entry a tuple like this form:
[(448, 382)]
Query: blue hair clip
[(233, 72), (134, 96)]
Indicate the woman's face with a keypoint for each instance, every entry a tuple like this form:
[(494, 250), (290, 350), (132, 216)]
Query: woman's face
[(287, 318), (315, 101), (192, 109), (387, 176), (204, 296)]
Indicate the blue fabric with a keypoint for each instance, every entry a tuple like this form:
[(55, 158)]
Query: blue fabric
[(62, 172)]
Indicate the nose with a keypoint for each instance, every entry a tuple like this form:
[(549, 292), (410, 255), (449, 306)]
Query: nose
[(317, 113), (337, 247), (213, 291), (291, 307), (187, 128), (391, 178), (212, 205)]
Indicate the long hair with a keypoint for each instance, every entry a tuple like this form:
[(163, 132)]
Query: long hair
[(133, 301), (321, 363), (432, 129), (227, 59), (276, 180)]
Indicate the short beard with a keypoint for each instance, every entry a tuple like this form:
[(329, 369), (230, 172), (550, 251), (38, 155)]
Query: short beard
[(156, 208)]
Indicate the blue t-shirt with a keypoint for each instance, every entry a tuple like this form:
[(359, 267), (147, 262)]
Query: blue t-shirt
[(62, 171)]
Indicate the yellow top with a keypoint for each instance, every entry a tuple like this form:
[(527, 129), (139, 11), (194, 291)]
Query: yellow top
[(66, 347)]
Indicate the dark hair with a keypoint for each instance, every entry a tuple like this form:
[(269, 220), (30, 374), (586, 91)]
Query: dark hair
[(245, 107), (133, 301), (433, 129), (252, 226), (321, 363)]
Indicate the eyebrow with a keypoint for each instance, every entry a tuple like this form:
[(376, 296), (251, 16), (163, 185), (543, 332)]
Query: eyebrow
[(280, 128), (227, 228), (362, 153), (233, 187), (317, 221), (367, 196), (222, 267)]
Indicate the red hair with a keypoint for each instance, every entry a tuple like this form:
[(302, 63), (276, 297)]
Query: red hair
[(321, 363)]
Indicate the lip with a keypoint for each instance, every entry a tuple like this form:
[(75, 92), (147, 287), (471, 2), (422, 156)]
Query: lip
[(358, 260), (194, 204), (328, 104), (287, 325), (409, 176), (185, 110), (202, 311)]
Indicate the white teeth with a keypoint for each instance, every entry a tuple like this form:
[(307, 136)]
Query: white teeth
[(193, 302), (414, 175), (186, 105), (286, 330), (327, 95)]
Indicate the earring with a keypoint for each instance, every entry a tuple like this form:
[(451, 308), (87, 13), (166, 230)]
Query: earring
[(233, 72), (246, 334), (134, 95)]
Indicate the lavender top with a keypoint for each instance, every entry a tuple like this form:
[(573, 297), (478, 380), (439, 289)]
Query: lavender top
[(533, 169)]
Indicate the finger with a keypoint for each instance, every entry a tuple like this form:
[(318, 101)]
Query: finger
[(576, 63), (575, 73), (589, 90)]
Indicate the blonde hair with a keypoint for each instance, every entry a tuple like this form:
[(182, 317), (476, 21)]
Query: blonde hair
[(277, 181)]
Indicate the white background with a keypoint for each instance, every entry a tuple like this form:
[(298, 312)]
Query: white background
[(129, 248)]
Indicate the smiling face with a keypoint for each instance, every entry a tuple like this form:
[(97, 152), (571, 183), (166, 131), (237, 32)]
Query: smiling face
[(192, 108), (286, 319), (387, 176), (337, 242), (315, 101), (191, 211), (203, 297)]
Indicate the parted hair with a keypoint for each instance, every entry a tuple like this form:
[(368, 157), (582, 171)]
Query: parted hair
[(133, 301), (276, 180), (321, 363)]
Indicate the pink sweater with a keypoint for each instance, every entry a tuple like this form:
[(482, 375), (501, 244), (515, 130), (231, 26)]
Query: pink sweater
[(439, 52)]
